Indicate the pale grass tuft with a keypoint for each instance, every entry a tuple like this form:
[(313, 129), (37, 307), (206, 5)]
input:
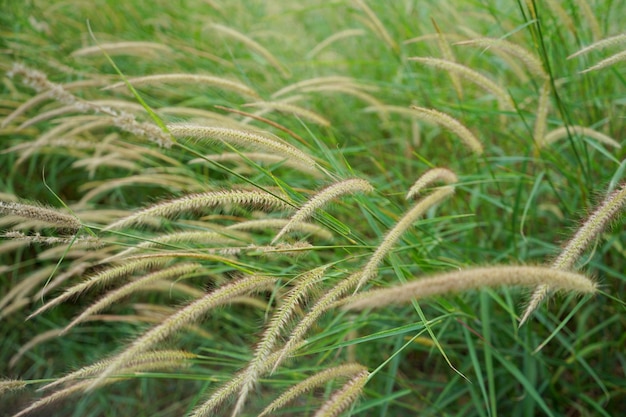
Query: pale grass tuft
[(48, 216), (201, 202), (613, 59), (319, 200), (543, 109), (194, 79), (584, 236), (377, 25), (301, 227), (85, 241), (182, 317), (262, 157), (601, 44), (10, 385), (105, 277), (480, 80), (253, 45), (280, 319), (319, 379), (429, 177), (589, 18), (292, 109), (467, 279), (566, 131), (342, 398), (450, 123), (446, 52), (124, 48), (371, 268), (347, 33), (534, 65), (177, 271), (245, 138)]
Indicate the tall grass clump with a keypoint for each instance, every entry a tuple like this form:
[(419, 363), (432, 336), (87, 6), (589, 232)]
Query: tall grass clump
[(322, 209)]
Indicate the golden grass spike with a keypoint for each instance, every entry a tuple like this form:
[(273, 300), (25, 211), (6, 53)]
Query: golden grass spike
[(584, 236), (607, 62), (317, 81), (446, 52), (194, 79), (378, 26), (253, 45), (239, 137), (201, 202), (467, 279), (123, 48), (320, 199), (469, 74), (450, 123), (262, 157), (48, 216), (182, 317), (345, 396), (10, 385), (566, 131), (430, 176), (601, 44), (346, 33), (176, 271), (543, 108), (391, 237), (320, 378)]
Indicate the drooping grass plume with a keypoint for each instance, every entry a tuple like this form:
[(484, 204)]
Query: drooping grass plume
[(589, 16), (469, 74), (240, 137), (607, 62), (174, 272), (253, 45), (345, 396), (260, 157), (543, 109), (391, 237), (346, 33), (566, 131), (182, 317), (473, 278), (288, 108), (301, 227), (319, 200), (446, 52), (196, 79), (10, 385), (328, 81), (38, 238), (279, 320), (377, 25), (450, 123), (46, 216), (201, 202), (124, 48), (601, 44), (429, 177), (584, 236), (320, 378)]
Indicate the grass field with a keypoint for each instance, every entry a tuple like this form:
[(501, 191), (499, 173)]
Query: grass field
[(312, 208)]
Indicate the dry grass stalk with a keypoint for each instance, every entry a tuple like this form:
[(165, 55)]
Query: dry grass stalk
[(182, 317), (463, 280), (262, 157), (566, 131), (345, 396), (322, 198), (202, 202), (429, 177), (320, 378), (474, 76), (450, 123), (584, 236), (194, 79), (124, 48), (48, 216)]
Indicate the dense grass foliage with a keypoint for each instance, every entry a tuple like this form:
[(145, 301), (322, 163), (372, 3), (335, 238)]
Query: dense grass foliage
[(312, 208)]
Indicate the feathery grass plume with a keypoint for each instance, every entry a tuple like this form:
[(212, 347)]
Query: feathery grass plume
[(292, 109), (124, 48), (378, 26), (584, 236), (601, 44), (248, 139), (253, 45), (319, 200), (182, 317), (89, 241), (331, 80), (280, 223), (542, 113), (450, 123), (320, 378), (345, 396), (124, 372), (391, 237), (429, 177), (48, 216), (446, 52), (194, 79), (177, 271), (348, 90), (556, 7), (466, 279), (566, 131), (346, 33), (38, 339), (102, 278), (259, 362), (480, 80), (261, 157), (590, 18), (9, 385), (613, 59), (154, 357), (534, 65), (199, 202)]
